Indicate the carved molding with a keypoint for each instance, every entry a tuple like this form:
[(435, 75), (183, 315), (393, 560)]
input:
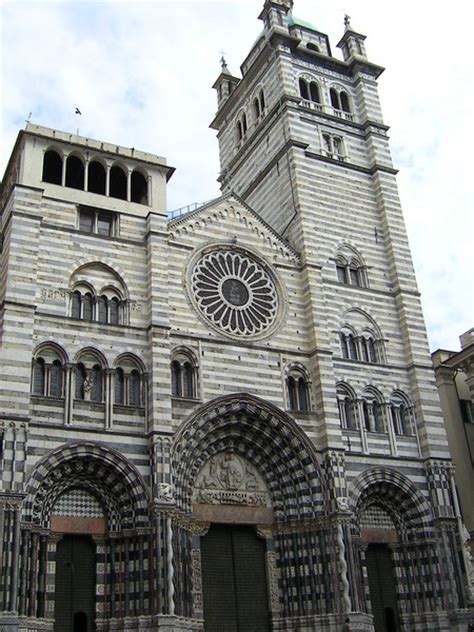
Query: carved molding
[(273, 590)]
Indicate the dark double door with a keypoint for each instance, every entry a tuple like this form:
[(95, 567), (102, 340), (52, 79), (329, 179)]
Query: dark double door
[(234, 580), (74, 608), (382, 588)]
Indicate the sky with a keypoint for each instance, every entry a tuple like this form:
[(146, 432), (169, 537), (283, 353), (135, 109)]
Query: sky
[(141, 74)]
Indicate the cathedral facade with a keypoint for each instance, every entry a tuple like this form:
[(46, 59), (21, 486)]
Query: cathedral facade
[(227, 419)]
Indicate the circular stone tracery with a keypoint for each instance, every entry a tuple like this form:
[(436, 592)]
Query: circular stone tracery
[(234, 292)]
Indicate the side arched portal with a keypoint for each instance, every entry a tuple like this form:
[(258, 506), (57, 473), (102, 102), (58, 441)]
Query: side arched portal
[(85, 526), (398, 559)]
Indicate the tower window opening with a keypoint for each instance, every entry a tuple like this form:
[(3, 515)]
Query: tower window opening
[(96, 178), (345, 106), (256, 108), (139, 188), (52, 167), (334, 97), (303, 89), (313, 47), (314, 92), (118, 183), (74, 173)]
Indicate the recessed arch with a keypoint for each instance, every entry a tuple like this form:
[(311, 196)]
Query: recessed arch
[(97, 178), (102, 471), (387, 487), (261, 433), (75, 171), (118, 182), (52, 166), (91, 356), (139, 187)]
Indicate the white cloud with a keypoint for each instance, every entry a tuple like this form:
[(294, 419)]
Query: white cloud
[(142, 72)]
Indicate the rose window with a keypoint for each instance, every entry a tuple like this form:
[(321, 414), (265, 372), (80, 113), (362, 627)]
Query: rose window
[(234, 292)]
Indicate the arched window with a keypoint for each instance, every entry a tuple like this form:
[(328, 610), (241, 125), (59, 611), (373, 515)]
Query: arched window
[(96, 178), (372, 411), (314, 92), (95, 376), (313, 47), (368, 349), (80, 378), (262, 101), (128, 382), (183, 375), (105, 308), (240, 133), (52, 167), (38, 380), (292, 393), (119, 386), (297, 387), (256, 108), (56, 379), (139, 192), (175, 379), (350, 269), (87, 306), (303, 86), (347, 407), (75, 173), (134, 386), (345, 106), (47, 373), (402, 415), (76, 304), (118, 183), (188, 378), (114, 311), (102, 302)]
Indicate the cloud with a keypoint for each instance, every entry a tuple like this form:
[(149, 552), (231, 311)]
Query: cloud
[(142, 72)]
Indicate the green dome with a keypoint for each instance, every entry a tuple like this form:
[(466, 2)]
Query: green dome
[(292, 21)]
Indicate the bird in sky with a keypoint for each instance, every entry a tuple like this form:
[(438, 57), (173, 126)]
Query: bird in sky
[(78, 111)]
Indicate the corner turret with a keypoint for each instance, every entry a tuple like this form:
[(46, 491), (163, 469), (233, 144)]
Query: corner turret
[(225, 83), (275, 14), (351, 43)]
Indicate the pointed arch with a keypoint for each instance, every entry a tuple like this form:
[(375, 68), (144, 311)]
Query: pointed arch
[(261, 433)]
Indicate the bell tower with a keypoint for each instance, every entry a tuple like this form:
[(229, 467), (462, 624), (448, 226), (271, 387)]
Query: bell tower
[(302, 140)]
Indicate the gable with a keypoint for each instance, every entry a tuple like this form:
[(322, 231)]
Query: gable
[(229, 218)]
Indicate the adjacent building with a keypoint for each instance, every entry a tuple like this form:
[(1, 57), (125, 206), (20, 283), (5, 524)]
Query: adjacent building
[(224, 419)]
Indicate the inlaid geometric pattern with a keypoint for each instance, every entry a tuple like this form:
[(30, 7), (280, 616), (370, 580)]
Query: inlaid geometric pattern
[(78, 503), (375, 517)]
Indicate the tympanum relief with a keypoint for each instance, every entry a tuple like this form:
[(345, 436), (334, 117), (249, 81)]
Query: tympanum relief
[(229, 479)]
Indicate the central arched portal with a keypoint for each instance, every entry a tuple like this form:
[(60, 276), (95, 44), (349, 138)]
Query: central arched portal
[(248, 476), (234, 580)]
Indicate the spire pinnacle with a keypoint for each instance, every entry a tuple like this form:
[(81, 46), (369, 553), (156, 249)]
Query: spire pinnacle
[(347, 22), (223, 62)]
